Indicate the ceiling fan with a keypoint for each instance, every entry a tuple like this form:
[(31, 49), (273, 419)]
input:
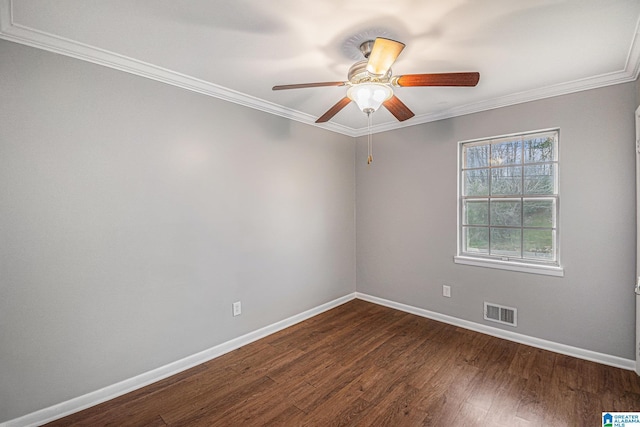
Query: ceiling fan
[(371, 81)]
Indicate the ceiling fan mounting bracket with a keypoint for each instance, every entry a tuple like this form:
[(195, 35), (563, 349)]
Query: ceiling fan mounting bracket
[(351, 46), (366, 48)]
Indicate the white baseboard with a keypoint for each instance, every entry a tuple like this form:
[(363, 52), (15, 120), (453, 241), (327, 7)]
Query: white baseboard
[(605, 359), (77, 404), (88, 400)]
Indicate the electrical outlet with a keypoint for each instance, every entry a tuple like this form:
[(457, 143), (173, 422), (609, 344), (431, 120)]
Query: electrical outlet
[(446, 291), (237, 308)]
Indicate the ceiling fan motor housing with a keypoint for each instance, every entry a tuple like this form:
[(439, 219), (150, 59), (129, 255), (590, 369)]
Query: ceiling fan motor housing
[(358, 74)]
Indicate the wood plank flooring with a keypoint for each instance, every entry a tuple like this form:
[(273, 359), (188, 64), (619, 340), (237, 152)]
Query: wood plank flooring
[(361, 364)]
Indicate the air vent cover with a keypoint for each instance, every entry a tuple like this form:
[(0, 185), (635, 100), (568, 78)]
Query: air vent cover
[(500, 314)]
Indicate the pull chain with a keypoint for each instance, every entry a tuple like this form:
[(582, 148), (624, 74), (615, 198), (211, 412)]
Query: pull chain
[(369, 140)]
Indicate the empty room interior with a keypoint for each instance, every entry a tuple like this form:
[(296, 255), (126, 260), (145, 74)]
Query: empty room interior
[(318, 213)]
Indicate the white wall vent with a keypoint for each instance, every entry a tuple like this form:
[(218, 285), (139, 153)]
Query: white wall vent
[(500, 314)]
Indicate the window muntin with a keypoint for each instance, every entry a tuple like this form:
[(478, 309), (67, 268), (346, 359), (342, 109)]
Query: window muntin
[(508, 204)]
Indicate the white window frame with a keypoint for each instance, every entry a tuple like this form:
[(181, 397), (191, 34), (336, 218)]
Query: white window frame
[(552, 268)]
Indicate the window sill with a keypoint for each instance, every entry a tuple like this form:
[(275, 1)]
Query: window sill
[(510, 265)]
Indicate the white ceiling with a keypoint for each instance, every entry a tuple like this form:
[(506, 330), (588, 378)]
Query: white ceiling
[(238, 49)]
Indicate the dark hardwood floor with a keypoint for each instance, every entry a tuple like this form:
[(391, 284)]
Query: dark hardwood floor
[(361, 364)]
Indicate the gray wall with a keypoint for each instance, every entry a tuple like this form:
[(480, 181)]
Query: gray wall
[(406, 221), (132, 215)]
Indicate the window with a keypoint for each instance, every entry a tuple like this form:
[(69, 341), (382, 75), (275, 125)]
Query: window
[(508, 202)]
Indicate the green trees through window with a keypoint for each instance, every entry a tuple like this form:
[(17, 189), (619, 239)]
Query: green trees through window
[(509, 198)]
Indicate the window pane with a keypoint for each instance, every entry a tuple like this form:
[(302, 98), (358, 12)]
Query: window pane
[(538, 244), (506, 181), (508, 204), (476, 156), (539, 179), (476, 182), (505, 242), (476, 212), (539, 213), (476, 239), (506, 153), (539, 148), (506, 212)]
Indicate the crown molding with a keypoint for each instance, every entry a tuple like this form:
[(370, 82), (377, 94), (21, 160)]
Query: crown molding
[(12, 31), (628, 74)]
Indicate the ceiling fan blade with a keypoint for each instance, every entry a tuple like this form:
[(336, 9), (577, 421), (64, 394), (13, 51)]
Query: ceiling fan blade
[(398, 109), (334, 110), (303, 85), (383, 54), (442, 79)]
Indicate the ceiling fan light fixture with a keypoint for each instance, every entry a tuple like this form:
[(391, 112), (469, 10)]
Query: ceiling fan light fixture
[(369, 96), (371, 82)]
